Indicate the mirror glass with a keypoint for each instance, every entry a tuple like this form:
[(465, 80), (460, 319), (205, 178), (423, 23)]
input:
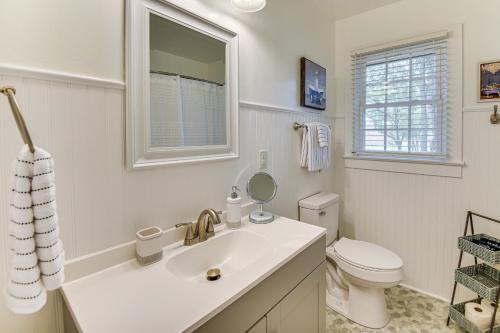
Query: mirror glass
[(262, 189), (187, 86)]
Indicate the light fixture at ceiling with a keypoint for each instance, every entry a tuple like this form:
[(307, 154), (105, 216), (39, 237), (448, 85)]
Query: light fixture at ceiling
[(249, 6)]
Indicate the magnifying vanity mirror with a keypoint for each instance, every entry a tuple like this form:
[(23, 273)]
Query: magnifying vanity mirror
[(261, 188), (182, 86)]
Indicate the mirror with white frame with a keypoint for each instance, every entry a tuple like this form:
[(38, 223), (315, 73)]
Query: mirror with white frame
[(182, 87)]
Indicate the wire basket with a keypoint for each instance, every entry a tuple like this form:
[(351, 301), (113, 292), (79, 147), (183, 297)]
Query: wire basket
[(457, 313), (482, 279), (465, 243)]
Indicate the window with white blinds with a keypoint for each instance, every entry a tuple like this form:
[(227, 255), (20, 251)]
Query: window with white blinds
[(400, 100)]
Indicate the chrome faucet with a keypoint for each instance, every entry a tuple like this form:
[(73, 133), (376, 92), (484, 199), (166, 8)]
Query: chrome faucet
[(203, 229)]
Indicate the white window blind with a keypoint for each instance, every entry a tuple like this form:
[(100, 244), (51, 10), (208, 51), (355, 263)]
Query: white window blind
[(400, 100)]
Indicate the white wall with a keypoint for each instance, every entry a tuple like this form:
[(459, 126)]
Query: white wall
[(271, 43), (81, 122), (85, 37), (420, 217)]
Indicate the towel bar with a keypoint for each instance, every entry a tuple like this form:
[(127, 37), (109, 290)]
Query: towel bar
[(297, 125)]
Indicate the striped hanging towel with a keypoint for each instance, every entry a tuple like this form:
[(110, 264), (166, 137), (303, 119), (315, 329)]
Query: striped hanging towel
[(313, 156), (37, 252)]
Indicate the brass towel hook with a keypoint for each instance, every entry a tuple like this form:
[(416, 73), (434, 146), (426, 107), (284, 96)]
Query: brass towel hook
[(21, 125), (495, 117)]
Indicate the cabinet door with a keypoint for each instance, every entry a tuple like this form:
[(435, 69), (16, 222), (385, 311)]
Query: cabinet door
[(303, 309), (260, 327)]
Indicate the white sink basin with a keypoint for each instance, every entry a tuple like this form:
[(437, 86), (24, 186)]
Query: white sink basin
[(230, 252)]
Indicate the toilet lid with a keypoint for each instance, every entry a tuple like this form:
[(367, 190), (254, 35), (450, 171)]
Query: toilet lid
[(367, 255)]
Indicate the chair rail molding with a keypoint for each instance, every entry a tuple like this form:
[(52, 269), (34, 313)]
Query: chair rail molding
[(53, 75)]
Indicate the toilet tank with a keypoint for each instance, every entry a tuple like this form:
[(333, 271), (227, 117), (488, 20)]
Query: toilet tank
[(321, 209)]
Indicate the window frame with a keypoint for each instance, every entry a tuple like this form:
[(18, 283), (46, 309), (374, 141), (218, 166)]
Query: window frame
[(453, 165)]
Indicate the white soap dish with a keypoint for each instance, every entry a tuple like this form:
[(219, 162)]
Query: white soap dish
[(149, 246)]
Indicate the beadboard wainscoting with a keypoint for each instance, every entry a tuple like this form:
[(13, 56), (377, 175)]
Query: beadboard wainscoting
[(420, 217), (81, 122)]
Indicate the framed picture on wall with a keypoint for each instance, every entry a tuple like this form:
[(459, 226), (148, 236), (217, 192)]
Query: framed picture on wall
[(312, 85), (489, 81)]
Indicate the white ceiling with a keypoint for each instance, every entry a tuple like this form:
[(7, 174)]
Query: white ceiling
[(346, 8)]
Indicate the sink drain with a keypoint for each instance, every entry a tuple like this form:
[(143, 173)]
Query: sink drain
[(213, 274)]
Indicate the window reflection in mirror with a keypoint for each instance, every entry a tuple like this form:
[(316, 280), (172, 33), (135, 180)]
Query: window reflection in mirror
[(187, 87)]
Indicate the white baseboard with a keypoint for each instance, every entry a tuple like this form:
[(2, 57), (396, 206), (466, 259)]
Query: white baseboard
[(425, 292)]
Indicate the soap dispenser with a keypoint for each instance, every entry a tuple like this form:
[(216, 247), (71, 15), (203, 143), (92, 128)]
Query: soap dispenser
[(233, 209)]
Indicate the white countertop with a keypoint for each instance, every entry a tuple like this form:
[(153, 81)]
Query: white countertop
[(132, 298)]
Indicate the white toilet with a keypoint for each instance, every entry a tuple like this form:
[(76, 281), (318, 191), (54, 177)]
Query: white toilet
[(357, 271)]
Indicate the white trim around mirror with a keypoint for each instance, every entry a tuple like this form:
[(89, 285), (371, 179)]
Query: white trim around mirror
[(138, 151)]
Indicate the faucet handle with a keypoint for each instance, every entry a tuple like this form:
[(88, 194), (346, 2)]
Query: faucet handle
[(191, 237), (178, 225)]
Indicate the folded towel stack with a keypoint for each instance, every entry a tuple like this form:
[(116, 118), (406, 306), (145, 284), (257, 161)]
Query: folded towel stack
[(37, 252), (316, 147)]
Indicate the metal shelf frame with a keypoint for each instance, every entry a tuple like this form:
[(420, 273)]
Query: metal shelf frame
[(469, 222)]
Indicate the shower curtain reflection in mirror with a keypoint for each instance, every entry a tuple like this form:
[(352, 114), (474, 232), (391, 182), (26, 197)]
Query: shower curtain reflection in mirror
[(186, 112)]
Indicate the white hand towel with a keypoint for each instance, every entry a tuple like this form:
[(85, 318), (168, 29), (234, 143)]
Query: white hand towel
[(313, 157), (37, 253), (323, 135)]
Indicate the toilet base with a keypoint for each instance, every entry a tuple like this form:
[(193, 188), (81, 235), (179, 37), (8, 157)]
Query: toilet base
[(336, 304), (364, 306), (367, 306), (369, 312)]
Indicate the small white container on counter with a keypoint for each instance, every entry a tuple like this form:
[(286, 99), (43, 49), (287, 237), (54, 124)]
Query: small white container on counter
[(149, 246), (233, 209)]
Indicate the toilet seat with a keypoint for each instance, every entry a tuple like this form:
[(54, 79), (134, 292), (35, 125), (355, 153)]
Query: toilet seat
[(367, 256), (366, 262)]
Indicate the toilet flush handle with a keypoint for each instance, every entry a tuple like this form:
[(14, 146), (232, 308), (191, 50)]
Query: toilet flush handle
[(322, 213)]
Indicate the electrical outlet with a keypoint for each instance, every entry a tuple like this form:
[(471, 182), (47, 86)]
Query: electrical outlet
[(263, 159)]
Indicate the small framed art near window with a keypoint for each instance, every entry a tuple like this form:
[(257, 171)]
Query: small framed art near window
[(489, 81), (312, 85)]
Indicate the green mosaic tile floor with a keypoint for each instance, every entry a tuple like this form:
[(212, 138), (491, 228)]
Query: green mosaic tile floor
[(410, 312)]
